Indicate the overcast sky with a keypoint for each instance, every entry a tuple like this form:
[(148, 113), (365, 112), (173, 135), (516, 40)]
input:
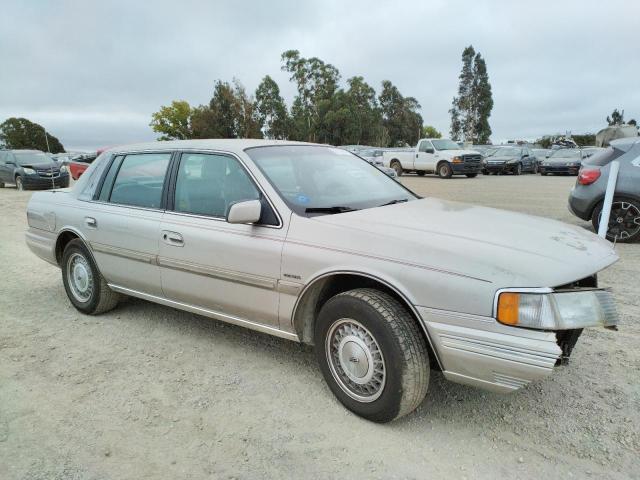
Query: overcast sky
[(92, 72)]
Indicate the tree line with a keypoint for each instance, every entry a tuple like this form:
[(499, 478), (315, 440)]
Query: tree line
[(322, 111), (20, 133)]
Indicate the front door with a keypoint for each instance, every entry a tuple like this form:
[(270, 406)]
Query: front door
[(4, 168), (425, 159), (228, 269), (123, 225)]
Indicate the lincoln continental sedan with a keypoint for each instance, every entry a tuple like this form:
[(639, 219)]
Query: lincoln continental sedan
[(313, 244)]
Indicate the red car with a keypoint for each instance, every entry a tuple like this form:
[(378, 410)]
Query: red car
[(78, 167)]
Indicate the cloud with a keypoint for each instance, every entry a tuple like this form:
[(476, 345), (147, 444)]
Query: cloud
[(93, 72)]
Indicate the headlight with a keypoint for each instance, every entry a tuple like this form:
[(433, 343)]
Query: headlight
[(63, 169), (456, 160), (558, 310), (28, 171)]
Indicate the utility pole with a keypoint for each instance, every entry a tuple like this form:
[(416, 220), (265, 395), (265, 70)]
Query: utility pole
[(46, 139)]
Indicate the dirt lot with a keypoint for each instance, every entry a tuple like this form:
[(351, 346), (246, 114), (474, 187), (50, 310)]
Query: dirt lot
[(148, 392)]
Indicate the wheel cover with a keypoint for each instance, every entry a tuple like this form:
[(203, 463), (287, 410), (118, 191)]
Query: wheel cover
[(624, 221), (444, 170), (19, 183), (355, 360), (80, 278), (398, 168)]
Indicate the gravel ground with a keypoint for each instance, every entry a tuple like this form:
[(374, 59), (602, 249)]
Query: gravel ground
[(147, 392)]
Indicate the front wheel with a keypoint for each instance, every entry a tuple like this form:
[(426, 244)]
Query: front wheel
[(624, 220), (19, 184), (86, 288), (444, 170), (372, 354)]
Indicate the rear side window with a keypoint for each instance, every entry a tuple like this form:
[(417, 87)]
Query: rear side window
[(3, 157), (139, 180), (604, 157)]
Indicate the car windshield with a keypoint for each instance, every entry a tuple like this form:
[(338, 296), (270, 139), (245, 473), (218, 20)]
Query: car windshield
[(506, 152), (31, 158), (317, 179), (540, 153), (445, 145), (566, 153)]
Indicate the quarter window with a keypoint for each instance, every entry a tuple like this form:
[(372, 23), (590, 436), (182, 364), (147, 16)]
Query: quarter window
[(139, 180), (208, 184)]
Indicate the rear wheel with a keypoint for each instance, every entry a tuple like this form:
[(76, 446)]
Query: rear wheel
[(444, 170), (624, 221), (397, 167), (1, 184), (372, 354), (85, 286), (19, 184)]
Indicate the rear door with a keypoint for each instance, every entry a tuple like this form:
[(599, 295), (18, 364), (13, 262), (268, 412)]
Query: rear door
[(229, 269), (123, 226), (4, 168)]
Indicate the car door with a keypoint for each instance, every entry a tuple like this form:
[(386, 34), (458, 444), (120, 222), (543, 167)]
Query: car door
[(425, 158), (228, 269), (123, 225)]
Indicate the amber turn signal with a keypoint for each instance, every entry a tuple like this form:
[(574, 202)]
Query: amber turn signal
[(508, 308)]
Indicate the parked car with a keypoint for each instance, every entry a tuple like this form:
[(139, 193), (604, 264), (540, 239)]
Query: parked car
[(374, 157), (435, 155), (566, 161), (587, 196), (588, 152), (31, 169), (80, 163), (309, 243), (514, 160)]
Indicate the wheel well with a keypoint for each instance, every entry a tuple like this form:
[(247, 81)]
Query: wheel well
[(394, 160), (440, 163), (324, 288), (63, 239)]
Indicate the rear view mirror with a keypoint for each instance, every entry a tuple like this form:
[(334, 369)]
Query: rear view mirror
[(248, 211)]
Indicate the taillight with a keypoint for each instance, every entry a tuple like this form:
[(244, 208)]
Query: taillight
[(588, 176)]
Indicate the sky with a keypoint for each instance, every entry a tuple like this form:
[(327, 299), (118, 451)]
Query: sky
[(93, 72)]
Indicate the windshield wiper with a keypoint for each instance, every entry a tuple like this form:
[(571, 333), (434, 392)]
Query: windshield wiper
[(393, 202), (335, 209)]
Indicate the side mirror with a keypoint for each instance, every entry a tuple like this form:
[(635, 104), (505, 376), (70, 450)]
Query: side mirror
[(429, 150), (248, 211)]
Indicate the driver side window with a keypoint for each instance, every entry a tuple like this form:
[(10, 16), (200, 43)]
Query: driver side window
[(207, 184), (424, 146)]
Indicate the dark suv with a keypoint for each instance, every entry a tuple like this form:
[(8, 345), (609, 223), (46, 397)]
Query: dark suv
[(586, 198), (31, 169)]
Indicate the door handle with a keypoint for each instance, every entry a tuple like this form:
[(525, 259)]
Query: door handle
[(91, 222), (173, 238)]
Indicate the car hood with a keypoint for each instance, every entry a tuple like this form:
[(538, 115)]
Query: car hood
[(500, 158), (505, 248), (561, 160)]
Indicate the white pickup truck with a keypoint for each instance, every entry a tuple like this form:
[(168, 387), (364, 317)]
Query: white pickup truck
[(441, 156)]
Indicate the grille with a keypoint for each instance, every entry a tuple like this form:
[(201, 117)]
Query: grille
[(48, 173), (472, 159)]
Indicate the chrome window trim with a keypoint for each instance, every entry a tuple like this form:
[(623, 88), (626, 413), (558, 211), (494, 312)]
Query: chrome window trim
[(205, 151)]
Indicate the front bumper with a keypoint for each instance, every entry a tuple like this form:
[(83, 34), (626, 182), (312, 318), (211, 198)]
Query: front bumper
[(464, 168), (479, 351), (36, 182), (559, 169)]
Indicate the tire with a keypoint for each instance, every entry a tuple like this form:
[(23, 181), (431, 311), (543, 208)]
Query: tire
[(624, 222), (362, 324), (88, 291), (544, 174), (518, 169), (1, 184), (535, 169), (19, 184), (444, 170), (420, 173), (397, 166), (471, 175)]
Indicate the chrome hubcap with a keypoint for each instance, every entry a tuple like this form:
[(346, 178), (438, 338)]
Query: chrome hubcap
[(79, 277), (355, 360)]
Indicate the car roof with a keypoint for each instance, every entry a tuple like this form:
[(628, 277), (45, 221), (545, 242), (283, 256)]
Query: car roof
[(235, 145), (24, 150)]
